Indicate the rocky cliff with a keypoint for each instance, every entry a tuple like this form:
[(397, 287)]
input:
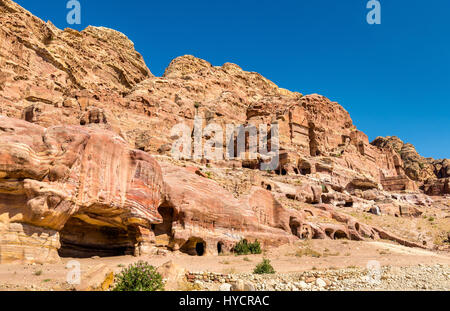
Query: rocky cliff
[(86, 167)]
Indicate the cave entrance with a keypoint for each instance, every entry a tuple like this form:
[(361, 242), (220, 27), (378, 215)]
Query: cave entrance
[(305, 168), (339, 235), (220, 248), (200, 248), (80, 239), (281, 171), (305, 171), (329, 233), (348, 204), (194, 247), (295, 226)]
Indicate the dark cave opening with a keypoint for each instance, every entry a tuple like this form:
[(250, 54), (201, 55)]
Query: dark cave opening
[(200, 248), (305, 171), (82, 240), (329, 233), (281, 172), (194, 247), (294, 226), (339, 234), (220, 248)]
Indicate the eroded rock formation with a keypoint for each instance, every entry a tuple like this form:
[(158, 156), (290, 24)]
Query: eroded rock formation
[(429, 174), (86, 184)]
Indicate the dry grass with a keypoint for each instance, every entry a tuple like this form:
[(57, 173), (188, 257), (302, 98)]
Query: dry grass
[(186, 286), (308, 252), (229, 271)]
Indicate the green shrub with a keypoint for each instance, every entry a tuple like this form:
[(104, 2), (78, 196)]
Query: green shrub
[(255, 248), (241, 248), (264, 268), (245, 248), (139, 277)]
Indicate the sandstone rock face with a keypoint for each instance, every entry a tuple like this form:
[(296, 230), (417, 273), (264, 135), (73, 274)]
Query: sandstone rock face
[(437, 187), (74, 180), (96, 58), (82, 192), (50, 76), (201, 217), (80, 114), (110, 87), (416, 167)]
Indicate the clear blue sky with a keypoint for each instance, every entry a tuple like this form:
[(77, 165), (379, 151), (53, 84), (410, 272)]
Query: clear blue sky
[(393, 78)]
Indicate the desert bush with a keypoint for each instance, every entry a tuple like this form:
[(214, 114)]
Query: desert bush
[(245, 248), (255, 247), (139, 277), (264, 268)]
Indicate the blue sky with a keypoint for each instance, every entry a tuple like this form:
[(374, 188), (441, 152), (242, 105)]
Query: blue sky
[(393, 78)]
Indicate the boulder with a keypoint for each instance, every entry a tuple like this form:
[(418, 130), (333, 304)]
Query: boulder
[(242, 286), (174, 276), (98, 278)]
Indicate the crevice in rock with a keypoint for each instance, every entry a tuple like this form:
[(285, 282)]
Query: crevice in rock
[(313, 143)]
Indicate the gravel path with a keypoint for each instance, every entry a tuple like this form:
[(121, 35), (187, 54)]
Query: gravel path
[(386, 278)]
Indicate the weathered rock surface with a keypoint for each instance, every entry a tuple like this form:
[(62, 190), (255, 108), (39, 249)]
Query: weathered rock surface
[(201, 217), (87, 188), (173, 275), (98, 278), (418, 168), (86, 184)]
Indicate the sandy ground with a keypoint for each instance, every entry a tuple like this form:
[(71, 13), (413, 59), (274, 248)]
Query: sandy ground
[(304, 256)]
